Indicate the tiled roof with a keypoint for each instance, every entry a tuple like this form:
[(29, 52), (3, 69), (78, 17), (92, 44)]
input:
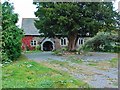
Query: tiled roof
[(28, 26)]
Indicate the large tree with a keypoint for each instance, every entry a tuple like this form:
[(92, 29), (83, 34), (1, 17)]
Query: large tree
[(11, 34), (74, 19)]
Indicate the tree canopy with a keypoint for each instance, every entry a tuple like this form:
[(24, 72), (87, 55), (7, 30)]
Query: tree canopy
[(11, 34), (75, 19)]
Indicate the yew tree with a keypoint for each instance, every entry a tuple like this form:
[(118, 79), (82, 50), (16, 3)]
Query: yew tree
[(74, 19)]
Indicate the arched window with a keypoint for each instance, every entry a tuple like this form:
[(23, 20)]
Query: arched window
[(33, 43), (63, 41), (80, 41)]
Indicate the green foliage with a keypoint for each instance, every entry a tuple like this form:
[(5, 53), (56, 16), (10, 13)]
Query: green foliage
[(58, 52), (92, 64), (64, 48), (114, 62), (64, 18), (74, 59), (11, 34), (103, 41), (74, 19), (38, 47), (27, 48), (0, 11), (25, 73)]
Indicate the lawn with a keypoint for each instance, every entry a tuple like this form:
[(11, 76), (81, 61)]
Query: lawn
[(25, 73)]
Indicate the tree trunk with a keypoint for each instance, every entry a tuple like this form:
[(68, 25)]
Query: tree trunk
[(72, 41)]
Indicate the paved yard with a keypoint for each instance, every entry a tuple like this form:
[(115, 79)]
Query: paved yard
[(98, 76)]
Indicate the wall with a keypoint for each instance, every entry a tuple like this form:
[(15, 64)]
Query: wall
[(26, 42)]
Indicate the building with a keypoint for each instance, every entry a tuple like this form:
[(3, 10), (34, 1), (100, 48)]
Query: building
[(33, 39)]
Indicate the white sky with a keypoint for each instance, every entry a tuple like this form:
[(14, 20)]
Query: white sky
[(25, 8)]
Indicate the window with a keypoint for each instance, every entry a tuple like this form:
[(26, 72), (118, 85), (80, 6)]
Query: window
[(81, 41), (33, 43), (63, 41)]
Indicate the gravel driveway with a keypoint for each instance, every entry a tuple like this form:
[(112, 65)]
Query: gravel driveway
[(43, 56), (94, 56), (93, 76)]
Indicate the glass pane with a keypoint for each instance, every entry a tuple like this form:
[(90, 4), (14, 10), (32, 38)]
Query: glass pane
[(64, 41), (34, 42), (31, 43), (61, 41), (81, 41)]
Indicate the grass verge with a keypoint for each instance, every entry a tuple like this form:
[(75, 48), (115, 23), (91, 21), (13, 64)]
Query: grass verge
[(25, 73)]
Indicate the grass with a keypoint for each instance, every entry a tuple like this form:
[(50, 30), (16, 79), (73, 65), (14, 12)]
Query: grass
[(105, 65), (32, 51), (74, 59), (92, 64), (58, 52), (114, 62), (25, 73)]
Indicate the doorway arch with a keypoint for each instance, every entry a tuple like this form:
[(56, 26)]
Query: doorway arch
[(47, 46)]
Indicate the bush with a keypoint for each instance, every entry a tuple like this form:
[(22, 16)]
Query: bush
[(58, 52), (5, 58), (11, 34), (64, 48), (27, 48), (116, 48), (38, 47), (11, 42), (103, 41)]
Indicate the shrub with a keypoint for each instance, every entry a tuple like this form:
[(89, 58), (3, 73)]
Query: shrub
[(103, 41), (38, 47), (27, 48), (5, 58), (64, 48), (58, 52), (11, 34)]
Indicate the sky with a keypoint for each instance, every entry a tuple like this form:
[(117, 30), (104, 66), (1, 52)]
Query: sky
[(26, 9)]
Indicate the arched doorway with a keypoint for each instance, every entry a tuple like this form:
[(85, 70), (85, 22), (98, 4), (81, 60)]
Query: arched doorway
[(47, 46)]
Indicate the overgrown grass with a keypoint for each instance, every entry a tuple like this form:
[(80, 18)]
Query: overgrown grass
[(107, 63), (32, 51), (92, 64), (58, 52), (29, 74), (74, 59), (114, 62), (61, 63)]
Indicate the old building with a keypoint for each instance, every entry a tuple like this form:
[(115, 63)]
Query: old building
[(34, 39)]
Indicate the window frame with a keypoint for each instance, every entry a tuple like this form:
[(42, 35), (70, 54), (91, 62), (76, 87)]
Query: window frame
[(33, 43), (63, 41), (80, 40)]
